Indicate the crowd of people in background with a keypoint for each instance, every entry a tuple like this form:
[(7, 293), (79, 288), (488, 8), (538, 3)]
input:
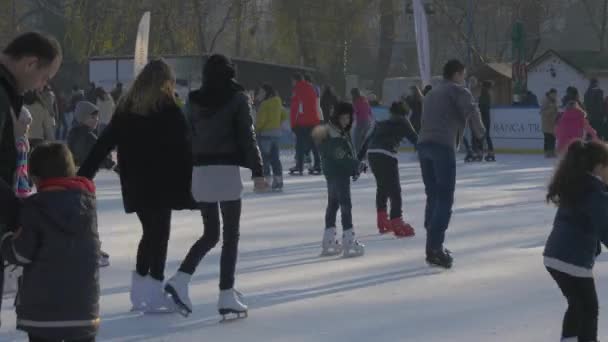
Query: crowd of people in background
[(203, 147)]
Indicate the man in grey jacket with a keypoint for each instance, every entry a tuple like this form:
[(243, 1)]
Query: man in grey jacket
[(446, 111)]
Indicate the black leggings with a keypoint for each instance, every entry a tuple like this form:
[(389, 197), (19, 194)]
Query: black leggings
[(581, 318), (38, 339), (231, 216), (386, 171), (549, 142), (152, 251)]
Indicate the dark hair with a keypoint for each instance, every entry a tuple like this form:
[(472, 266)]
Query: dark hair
[(52, 160), (297, 77), (101, 93), (34, 44), (31, 97), (218, 69), (342, 108), (269, 90), (451, 68), (399, 108), (308, 77), (552, 91), (355, 93), (593, 82), (568, 183), (427, 89), (487, 84)]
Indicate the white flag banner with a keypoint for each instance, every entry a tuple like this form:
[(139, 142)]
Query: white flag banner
[(422, 42), (141, 44)]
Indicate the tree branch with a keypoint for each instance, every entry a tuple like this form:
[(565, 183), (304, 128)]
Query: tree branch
[(222, 27)]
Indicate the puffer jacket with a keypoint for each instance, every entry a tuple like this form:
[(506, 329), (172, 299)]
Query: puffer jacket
[(578, 231), (337, 151), (58, 247), (270, 116), (225, 135), (388, 134), (10, 103), (572, 125), (304, 106)]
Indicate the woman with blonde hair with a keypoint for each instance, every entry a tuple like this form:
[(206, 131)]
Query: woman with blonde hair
[(149, 127)]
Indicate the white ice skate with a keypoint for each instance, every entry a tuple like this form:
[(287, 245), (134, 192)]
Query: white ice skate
[(330, 246), (352, 246), (177, 287), (156, 299), (137, 294), (230, 302)]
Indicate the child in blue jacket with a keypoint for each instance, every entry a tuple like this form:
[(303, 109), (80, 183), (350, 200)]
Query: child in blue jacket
[(579, 189)]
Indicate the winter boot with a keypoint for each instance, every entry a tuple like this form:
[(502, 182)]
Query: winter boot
[(352, 247), (230, 302), (277, 183), (384, 224), (156, 299), (441, 258), (401, 228), (137, 294), (177, 287), (330, 246)]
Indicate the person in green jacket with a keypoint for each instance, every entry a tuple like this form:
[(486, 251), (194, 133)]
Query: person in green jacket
[(271, 114), (340, 164)]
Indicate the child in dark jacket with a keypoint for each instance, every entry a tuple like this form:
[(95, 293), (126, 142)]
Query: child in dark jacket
[(580, 191), (382, 156), (82, 137), (340, 163), (57, 244)]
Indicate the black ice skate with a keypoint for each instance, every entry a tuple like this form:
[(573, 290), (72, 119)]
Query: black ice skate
[(490, 157), (316, 171), (439, 258), (469, 158), (294, 171)]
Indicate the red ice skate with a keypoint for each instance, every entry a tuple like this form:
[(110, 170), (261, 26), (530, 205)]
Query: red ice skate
[(401, 228), (384, 224)]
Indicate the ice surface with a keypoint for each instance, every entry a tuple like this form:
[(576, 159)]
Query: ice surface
[(497, 291)]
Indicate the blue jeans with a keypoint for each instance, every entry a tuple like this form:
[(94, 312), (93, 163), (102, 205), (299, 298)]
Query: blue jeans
[(438, 165), (269, 146), (338, 197)]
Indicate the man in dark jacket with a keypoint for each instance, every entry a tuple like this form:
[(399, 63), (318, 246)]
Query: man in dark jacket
[(27, 63), (594, 104), (64, 262)]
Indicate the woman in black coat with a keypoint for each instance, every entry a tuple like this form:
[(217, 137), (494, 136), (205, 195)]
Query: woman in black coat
[(155, 161), (223, 140)]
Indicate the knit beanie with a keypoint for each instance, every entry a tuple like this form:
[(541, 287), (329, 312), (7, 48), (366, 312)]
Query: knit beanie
[(83, 111)]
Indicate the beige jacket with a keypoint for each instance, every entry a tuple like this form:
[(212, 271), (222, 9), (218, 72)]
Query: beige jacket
[(43, 124), (548, 112)]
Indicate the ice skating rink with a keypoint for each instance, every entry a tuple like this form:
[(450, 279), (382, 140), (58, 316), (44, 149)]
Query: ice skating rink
[(498, 289)]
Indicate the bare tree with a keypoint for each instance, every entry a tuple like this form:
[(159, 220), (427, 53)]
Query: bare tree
[(598, 16)]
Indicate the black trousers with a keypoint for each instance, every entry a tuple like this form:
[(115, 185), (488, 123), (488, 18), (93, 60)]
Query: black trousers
[(478, 143), (38, 339), (231, 215), (152, 251), (549, 142), (581, 318), (304, 145), (338, 198), (388, 186)]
